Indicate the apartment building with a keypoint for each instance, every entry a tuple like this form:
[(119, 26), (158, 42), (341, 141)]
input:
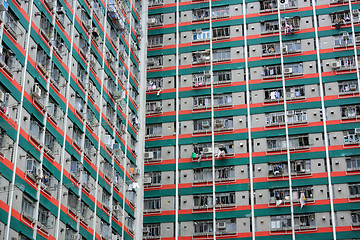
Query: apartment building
[(70, 88), (252, 120)]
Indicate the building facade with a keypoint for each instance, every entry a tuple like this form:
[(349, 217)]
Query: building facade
[(70, 122), (252, 134)]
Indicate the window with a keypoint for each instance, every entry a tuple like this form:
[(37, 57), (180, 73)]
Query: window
[(219, 12), (290, 24), (155, 20), (85, 211), (201, 79), (11, 22), (344, 63), (224, 148), (297, 167), (152, 204), (202, 125), (108, 170), (36, 130), (222, 76), (28, 207), (46, 27), (295, 142), (151, 230), (48, 181), (156, 153), (70, 234), (89, 148), (155, 41), (224, 173), (343, 40), (130, 223), (278, 118), (350, 111), (75, 168), (154, 62), (280, 222), (221, 54), (343, 17), (105, 230), (42, 60), (269, 27), (291, 93), (77, 136), (219, 101), (346, 87), (304, 221), (202, 175), (154, 84), (153, 130), (201, 56), (226, 226), (203, 201), (73, 202), (275, 70), (350, 137), (203, 227), (201, 34), (8, 58), (45, 218), (281, 195), (55, 75), (271, 5), (221, 32), (82, 75), (354, 189), (200, 14), (355, 217), (31, 166), (49, 141), (225, 199), (105, 199), (110, 113), (155, 177), (353, 163), (155, 2), (153, 107)]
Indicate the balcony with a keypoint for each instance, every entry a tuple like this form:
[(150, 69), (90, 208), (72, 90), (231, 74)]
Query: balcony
[(201, 57)]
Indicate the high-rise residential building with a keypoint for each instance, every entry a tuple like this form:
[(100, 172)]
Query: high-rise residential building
[(70, 122), (179, 120), (252, 120)]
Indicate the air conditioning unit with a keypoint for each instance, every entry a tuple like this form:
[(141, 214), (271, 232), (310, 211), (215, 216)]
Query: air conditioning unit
[(288, 70), (151, 21), (205, 124), (147, 180), (336, 64), (158, 106), (37, 91), (39, 173), (95, 31), (221, 225), (219, 123), (357, 131), (290, 112), (285, 48), (345, 36), (116, 207), (2, 96), (198, 31), (60, 10), (357, 38), (148, 155), (353, 87), (207, 150)]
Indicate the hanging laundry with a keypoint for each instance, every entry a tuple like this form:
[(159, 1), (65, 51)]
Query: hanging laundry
[(302, 199)]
